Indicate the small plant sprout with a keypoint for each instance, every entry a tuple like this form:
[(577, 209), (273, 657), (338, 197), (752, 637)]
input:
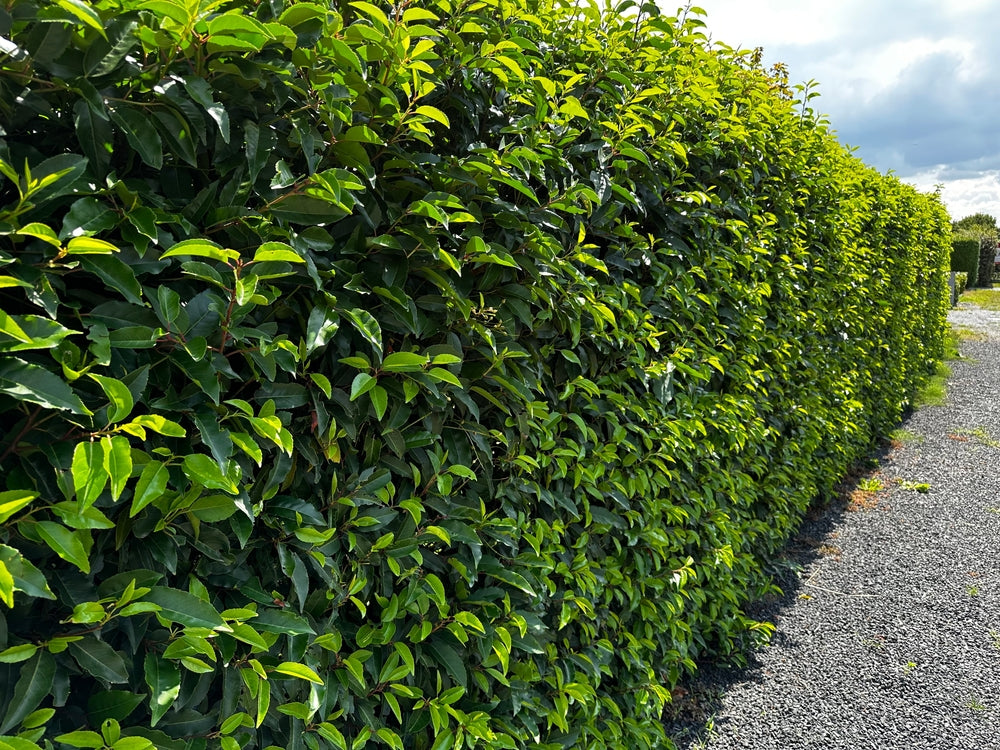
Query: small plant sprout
[(870, 484), (974, 704), (914, 486)]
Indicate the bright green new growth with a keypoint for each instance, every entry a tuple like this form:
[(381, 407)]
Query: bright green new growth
[(438, 375)]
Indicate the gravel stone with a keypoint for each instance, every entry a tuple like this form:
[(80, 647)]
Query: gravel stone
[(888, 635)]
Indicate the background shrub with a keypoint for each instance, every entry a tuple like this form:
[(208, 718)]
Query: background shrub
[(965, 257), (417, 376), (961, 283)]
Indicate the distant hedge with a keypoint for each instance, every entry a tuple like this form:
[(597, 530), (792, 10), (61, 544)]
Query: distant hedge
[(965, 258), (418, 376)]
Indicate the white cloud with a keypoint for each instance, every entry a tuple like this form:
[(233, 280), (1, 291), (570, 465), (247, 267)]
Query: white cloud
[(911, 84), (965, 196)]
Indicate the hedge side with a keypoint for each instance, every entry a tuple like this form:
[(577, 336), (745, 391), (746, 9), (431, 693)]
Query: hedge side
[(417, 376), (965, 257)]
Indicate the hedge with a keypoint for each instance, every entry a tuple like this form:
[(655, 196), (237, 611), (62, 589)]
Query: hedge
[(965, 258), (434, 375)]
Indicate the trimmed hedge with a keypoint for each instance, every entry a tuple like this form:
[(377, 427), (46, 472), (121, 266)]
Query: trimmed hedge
[(965, 258), (421, 376), (987, 259)]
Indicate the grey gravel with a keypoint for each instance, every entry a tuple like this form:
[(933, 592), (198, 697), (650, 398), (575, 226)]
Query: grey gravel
[(888, 634)]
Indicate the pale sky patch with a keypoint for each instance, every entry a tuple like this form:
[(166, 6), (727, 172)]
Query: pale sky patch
[(911, 85)]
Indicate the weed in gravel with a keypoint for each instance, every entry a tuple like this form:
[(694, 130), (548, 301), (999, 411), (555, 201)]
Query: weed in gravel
[(975, 704), (829, 550), (904, 436), (972, 590), (980, 434), (909, 667), (995, 638), (870, 484), (914, 486), (969, 334)]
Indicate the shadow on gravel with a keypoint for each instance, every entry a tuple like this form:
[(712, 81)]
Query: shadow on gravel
[(689, 720)]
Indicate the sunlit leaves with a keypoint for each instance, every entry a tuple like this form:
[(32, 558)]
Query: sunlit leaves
[(359, 360)]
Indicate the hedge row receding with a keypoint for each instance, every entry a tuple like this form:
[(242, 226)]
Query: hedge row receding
[(965, 257), (430, 375)]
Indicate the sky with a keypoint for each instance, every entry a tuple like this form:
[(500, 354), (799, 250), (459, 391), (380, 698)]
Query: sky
[(912, 85)]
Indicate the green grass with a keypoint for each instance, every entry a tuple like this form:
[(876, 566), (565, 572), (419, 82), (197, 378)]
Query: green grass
[(988, 299), (902, 435), (934, 392)]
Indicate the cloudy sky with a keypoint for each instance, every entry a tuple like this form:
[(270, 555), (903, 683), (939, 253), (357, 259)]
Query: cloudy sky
[(914, 85)]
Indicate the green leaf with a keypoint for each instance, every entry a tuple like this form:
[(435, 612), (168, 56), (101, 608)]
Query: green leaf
[(89, 518), (9, 282), (151, 485), (164, 681), (322, 381), (10, 326), (380, 400), (362, 383), (38, 718), (115, 273), (28, 382), (245, 633), (30, 332), (12, 501), (85, 13), (283, 622), (322, 325), (40, 231), (404, 362), (90, 475), (263, 702), (118, 394), (367, 326), (277, 251), (294, 669), (435, 114), (87, 612), (99, 659), (95, 136), (33, 684), (112, 704), (184, 608), (89, 246), (441, 374), (16, 654), (26, 576), (140, 132), (65, 543), (117, 463), (159, 424), (202, 469), (201, 249), (81, 738)]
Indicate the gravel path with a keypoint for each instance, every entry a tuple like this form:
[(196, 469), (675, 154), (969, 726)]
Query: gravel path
[(888, 636)]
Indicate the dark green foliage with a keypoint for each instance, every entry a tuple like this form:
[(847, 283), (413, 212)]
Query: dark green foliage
[(981, 223), (965, 258), (987, 259), (981, 228), (429, 376)]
